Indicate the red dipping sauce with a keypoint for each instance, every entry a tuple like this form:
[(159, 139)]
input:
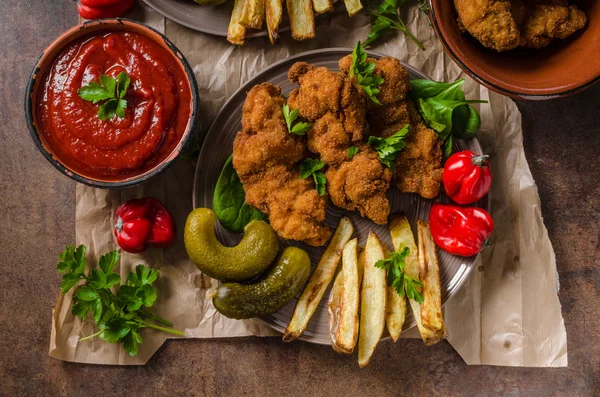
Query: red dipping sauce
[(156, 117)]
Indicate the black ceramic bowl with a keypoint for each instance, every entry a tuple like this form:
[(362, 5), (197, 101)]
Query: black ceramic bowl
[(45, 63)]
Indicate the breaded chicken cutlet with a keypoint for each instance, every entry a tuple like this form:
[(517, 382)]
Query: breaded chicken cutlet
[(507, 24), (336, 109), (265, 156), (418, 165)]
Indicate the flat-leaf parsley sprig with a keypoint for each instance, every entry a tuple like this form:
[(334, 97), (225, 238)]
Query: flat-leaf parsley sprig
[(397, 277), (364, 72), (389, 148), (313, 167), (300, 128), (386, 17), (120, 316), (109, 90)]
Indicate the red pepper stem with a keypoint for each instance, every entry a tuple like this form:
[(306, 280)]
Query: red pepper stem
[(487, 243), (480, 160)]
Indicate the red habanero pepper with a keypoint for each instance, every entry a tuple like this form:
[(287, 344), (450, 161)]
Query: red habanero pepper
[(98, 3), (458, 230), (467, 177), (143, 222), (108, 11)]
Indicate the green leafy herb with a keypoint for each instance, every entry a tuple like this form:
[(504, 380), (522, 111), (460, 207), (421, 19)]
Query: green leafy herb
[(445, 110), (229, 201), (312, 167), (364, 71), (118, 316), (397, 277), (424, 6), (300, 128), (389, 148), (352, 150), (387, 17), (109, 90)]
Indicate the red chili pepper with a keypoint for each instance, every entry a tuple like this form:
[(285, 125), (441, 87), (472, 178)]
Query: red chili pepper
[(109, 11), (459, 230), (143, 222), (98, 3), (467, 177)]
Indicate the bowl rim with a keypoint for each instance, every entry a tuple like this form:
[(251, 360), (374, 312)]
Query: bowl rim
[(30, 112), (495, 87)]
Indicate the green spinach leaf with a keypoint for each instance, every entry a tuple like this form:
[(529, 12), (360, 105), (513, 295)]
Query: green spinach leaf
[(229, 201)]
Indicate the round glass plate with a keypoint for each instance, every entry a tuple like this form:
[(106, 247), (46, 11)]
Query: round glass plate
[(218, 145)]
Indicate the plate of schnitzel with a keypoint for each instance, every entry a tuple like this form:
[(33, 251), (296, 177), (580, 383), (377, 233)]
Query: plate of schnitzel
[(358, 183)]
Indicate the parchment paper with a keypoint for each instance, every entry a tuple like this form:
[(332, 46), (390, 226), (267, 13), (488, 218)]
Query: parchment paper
[(508, 312)]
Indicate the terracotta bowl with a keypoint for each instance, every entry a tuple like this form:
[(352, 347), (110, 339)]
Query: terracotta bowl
[(563, 68), (44, 64)]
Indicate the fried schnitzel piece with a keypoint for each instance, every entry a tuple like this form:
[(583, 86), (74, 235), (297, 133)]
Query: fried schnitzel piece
[(336, 109), (265, 157), (506, 24), (418, 166), (361, 184), (542, 22), (489, 21)]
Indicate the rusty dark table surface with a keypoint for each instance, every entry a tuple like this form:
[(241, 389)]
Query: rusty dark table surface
[(37, 206)]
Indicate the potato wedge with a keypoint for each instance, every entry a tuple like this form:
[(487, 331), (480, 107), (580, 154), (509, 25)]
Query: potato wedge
[(322, 6), (236, 32), (353, 7), (320, 279), (273, 12), (373, 297), (395, 313), (402, 236), (344, 301), (253, 14), (302, 19), (429, 274)]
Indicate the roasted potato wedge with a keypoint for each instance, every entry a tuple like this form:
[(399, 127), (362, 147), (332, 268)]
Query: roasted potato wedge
[(344, 302), (373, 297), (320, 279), (236, 32), (302, 19), (353, 7), (402, 236), (253, 14), (395, 313), (429, 274), (273, 12), (322, 6)]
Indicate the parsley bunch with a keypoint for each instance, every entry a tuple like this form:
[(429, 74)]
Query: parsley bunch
[(109, 90), (119, 317), (300, 128), (388, 17), (389, 148), (397, 278), (312, 167), (364, 71)]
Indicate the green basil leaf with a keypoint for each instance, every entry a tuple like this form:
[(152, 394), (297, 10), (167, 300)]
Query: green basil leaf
[(423, 88), (229, 200), (447, 149), (472, 125)]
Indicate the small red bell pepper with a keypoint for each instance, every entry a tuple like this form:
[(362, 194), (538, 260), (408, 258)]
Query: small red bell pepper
[(143, 222), (467, 177), (459, 230), (116, 9)]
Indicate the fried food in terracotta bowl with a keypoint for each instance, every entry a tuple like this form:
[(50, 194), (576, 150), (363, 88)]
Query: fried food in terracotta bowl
[(527, 49)]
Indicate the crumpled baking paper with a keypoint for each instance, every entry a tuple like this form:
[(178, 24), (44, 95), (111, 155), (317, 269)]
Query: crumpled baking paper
[(507, 313)]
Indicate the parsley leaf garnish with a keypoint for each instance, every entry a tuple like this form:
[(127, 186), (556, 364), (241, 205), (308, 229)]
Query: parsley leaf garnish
[(110, 90), (312, 167), (397, 277), (352, 150), (389, 148), (300, 128), (388, 17), (364, 71), (120, 316)]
